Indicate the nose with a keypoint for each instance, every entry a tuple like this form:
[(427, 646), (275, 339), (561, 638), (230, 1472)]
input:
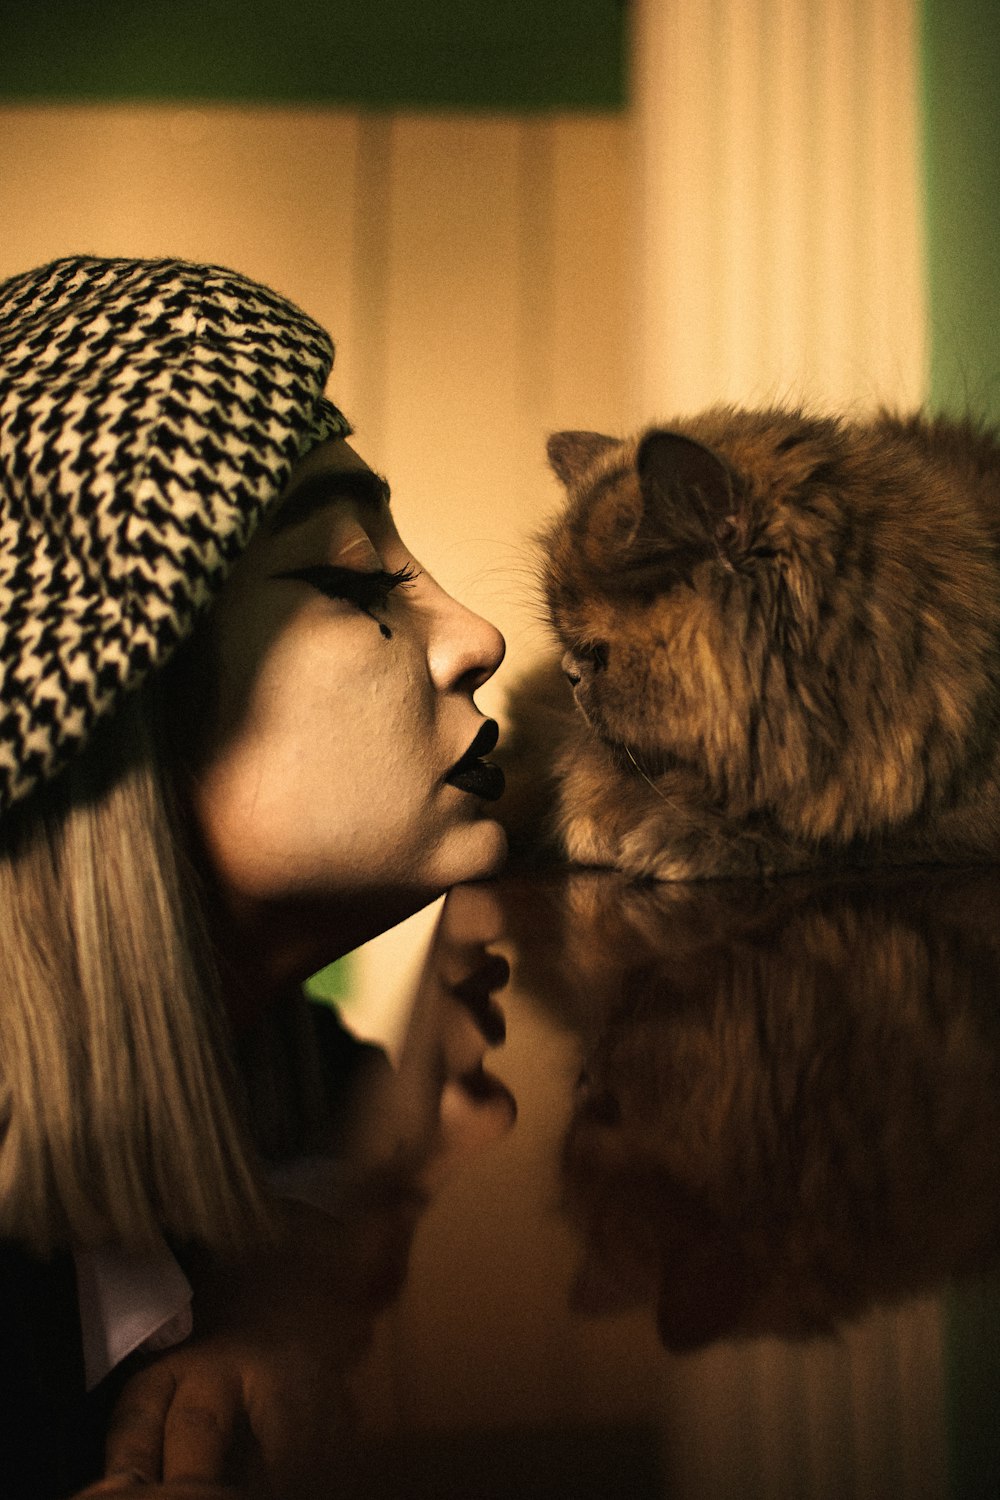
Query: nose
[(466, 649)]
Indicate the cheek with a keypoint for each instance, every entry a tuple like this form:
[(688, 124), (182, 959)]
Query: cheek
[(327, 765)]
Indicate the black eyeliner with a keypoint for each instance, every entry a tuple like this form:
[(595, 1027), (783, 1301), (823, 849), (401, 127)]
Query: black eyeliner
[(366, 589)]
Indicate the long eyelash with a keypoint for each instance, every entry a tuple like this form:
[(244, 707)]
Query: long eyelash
[(367, 591)]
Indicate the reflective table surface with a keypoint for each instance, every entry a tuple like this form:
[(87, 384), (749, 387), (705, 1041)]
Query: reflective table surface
[(684, 1191)]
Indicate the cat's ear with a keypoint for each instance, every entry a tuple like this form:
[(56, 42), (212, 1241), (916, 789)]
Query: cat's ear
[(688, 486), (572, 453)]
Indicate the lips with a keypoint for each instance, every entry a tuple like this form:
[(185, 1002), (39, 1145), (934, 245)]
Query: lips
[(475, 775)]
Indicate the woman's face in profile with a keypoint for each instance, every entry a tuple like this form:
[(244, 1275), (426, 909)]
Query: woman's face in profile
[(341, 700)]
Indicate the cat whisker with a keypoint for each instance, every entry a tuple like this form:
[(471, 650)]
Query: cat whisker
[(646, 777)]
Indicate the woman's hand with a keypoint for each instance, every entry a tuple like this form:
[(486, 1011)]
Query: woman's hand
[(258, 1398), (267, 1415), (127, 1487)]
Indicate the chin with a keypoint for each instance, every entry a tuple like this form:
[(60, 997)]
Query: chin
[(483, 854)]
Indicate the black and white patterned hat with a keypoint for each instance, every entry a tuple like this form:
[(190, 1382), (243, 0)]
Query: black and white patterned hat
[(149, 412)]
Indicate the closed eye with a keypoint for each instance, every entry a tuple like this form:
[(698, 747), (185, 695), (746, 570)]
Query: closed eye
[(368, 591)]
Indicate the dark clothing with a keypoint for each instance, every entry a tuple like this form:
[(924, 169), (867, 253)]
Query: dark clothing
[(51, 1431)]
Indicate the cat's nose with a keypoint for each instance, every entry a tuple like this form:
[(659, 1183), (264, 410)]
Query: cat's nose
[(580, 665), (573, 668)]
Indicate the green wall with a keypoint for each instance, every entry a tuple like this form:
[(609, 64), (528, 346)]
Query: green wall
[(961, 61), (961, 76), (469, 54)]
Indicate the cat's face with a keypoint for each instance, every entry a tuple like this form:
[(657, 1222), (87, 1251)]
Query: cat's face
[(776, 603), (620, 583)]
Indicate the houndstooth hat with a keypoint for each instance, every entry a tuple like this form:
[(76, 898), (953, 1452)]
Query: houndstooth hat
[(149, 412)]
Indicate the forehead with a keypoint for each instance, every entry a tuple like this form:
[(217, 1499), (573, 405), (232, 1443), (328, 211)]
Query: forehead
[(330, 472)]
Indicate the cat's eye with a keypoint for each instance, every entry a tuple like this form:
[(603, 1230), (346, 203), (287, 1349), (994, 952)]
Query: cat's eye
[(596, 652), (584, 658), (367, 590)]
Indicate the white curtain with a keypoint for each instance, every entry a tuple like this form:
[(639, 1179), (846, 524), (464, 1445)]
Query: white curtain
[(779, 215)]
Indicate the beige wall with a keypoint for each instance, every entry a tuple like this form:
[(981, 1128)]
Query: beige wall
[(472, 271)]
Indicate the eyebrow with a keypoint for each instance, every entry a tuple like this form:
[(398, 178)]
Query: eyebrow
[(364, 485)]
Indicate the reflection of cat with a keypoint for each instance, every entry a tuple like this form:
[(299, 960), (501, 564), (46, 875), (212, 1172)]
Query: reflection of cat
[(790, 1100), (784, 638)]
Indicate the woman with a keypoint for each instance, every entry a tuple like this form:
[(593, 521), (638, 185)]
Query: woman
[(237, 737)]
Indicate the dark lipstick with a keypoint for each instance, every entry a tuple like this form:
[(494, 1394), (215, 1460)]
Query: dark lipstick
[(474, 774)]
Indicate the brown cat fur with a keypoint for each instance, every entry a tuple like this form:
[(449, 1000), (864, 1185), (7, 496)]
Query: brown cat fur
[(785, 632)]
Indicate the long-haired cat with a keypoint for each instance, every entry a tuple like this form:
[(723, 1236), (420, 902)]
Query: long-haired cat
[(782, 634)]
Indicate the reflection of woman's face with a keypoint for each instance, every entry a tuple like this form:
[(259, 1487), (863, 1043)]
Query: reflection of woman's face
[(344, 699)]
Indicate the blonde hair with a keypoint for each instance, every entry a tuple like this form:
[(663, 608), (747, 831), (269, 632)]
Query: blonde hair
[(119, 1105)]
